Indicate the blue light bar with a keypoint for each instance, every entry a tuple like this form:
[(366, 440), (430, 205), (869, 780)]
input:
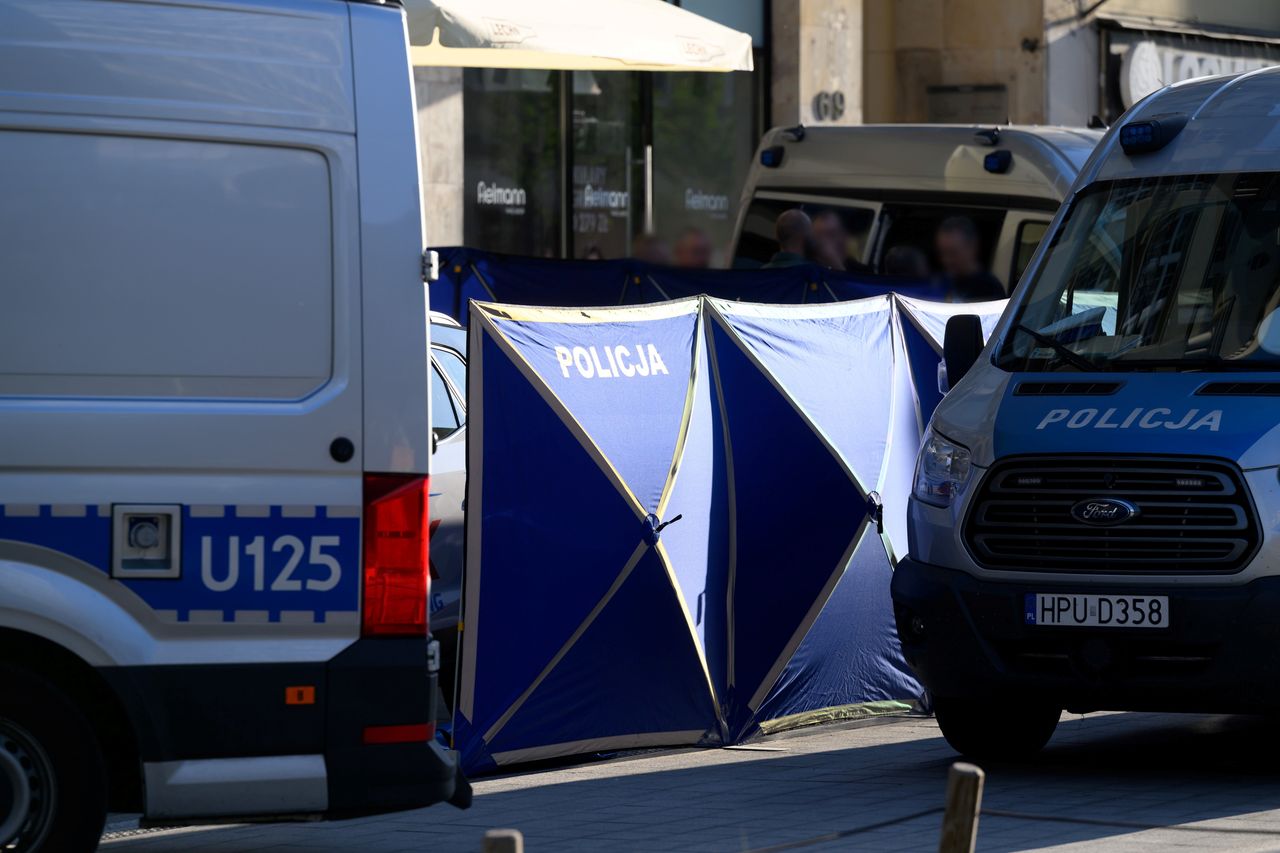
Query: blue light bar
[(771, 157), (998, 162), (1143, 137)]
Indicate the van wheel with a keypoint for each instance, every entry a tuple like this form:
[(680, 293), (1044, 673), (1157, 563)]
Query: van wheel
[(53, 791), (985, 730)]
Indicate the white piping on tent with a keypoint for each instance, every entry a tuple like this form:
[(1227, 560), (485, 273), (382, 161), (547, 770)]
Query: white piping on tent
[(686, 418), (732, 526), (720, 309), (593, 314), (557, 405), (486, 314), (762, 691), (802, 630), (632, 562), (471, 566), (598, 744)]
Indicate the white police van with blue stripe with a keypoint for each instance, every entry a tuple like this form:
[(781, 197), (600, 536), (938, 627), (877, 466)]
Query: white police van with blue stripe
[(1093, 518), (214, 426)]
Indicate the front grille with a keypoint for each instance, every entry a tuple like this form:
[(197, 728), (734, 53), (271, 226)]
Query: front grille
[(1065, 389), (1240, 389), (1193, 516)]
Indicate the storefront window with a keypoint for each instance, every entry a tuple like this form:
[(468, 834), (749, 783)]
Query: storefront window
[(704, 137), (606, 158), (511, 131)]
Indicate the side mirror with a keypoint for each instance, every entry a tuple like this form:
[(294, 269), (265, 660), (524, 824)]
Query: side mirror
[(961, 345), (435, 442)]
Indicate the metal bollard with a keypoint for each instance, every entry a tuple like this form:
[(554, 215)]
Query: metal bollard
[(502, 841), (964, 802)]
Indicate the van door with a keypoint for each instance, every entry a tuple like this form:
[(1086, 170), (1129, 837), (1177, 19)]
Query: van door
[(1021, 235), (757, 244)]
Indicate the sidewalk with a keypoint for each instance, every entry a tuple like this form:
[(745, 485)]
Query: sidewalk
[(1213, 778)]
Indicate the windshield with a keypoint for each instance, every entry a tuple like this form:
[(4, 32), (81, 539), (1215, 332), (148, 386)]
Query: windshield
[(1176, 272)]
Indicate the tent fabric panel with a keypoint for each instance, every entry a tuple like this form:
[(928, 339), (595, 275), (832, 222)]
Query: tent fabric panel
[(851, 655), (850, 399), (696, 546), (625, 382), (923, 326), (634, 671), (543, 571), (795, 515)]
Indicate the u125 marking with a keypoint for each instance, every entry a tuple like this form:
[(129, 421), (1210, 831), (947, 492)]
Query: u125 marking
[(249, 562)]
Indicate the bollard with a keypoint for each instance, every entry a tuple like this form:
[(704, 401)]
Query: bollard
[(502, 841), (964, 801)]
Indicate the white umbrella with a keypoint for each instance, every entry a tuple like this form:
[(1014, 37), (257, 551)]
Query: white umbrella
[(572, 35)]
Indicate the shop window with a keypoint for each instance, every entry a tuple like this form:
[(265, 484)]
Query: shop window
[(606, 163), (704, 138), (511, 131)]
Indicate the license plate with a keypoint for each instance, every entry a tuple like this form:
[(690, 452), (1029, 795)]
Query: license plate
[(1096, 611)]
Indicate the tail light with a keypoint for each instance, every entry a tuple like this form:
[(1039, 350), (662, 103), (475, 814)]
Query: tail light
[(395, 555)]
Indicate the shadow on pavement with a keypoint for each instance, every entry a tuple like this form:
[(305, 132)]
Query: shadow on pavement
[(1122, 772)]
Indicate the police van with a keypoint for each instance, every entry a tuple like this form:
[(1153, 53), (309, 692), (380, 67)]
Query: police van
[(1093, 523), (214, 424), (893, 185)]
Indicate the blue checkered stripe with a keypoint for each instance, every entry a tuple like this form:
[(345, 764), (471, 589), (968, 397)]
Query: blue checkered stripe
[(240, 564)]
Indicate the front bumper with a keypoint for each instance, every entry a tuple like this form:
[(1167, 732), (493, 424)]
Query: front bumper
[(966, 638)]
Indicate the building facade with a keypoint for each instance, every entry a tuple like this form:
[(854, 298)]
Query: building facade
[(575, 164)]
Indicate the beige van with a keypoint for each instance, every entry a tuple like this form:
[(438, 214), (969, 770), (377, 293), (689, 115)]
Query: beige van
[(893, 184)]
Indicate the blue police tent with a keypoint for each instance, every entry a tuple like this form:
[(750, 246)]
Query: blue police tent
[(673, 534), (470, 274)]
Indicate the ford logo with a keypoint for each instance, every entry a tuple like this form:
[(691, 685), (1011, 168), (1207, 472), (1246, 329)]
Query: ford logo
[(1103, 512)]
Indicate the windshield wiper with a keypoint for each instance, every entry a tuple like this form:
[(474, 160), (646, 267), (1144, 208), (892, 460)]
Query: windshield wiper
[(1063, 352)]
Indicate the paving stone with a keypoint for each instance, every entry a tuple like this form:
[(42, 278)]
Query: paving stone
[(1170, 772)]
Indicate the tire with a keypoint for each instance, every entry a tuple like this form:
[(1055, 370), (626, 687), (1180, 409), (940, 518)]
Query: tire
[(53, 789), (983, 730)]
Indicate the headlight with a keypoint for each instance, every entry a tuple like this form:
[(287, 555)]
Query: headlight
[(941, 471)]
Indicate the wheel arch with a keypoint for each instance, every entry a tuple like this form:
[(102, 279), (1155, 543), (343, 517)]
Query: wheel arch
[(101, 704)]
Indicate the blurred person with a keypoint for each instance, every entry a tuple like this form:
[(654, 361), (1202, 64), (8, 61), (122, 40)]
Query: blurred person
[(649, 247), (794, 232), (830, 239), (958, 245), (693, 249), (906, 261)]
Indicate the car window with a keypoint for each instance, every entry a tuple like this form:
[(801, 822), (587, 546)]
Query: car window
[(453, 365), (444, 420), (450, 336), (917, 224), (757, 244), (1030, 234)]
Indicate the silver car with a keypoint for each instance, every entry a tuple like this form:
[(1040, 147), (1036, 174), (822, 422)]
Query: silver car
[(448, 485)]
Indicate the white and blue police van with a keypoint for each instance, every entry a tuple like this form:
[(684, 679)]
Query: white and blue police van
[(1094, 515), (214, 418)]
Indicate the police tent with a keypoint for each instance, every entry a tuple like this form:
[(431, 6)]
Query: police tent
[(674, 523)]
